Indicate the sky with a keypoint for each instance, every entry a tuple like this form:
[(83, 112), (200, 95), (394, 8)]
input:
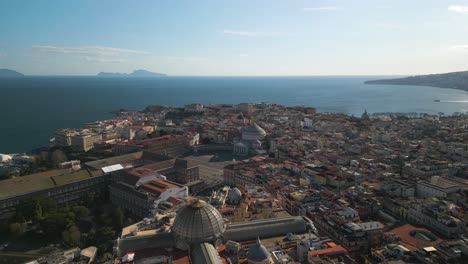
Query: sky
[(241, 37)]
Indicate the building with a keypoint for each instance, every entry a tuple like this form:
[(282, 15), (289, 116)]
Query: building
[(258, 254), (245, 108), (63, 137), (85, 142), (241, 174), (325, 249), (436, 215), (140, 200), (355, 237), (72, 164), (67, 185), (172, 145), (177, 170), (199, 231), (197, 108), (251, 140), (63, 185), (412, 237), (128, 197), (436, 188)]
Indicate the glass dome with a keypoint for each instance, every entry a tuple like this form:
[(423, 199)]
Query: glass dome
[(198, 222)]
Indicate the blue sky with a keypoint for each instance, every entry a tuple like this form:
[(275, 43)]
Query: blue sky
[(242, 37)]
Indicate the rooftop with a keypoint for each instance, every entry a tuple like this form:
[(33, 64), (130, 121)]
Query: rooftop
[(40, 181), (414, 237)]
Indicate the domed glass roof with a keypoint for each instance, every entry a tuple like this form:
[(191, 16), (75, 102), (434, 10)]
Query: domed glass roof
[(258, 252), (198, 222), (254, 129)]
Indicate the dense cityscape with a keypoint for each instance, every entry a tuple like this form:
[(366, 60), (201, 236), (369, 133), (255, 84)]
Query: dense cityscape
[(252, 183)]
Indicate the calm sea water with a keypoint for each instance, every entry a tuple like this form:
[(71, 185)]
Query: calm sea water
[(33, 107)]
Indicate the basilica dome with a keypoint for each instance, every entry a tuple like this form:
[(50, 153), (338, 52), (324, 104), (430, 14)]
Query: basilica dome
[(253, 132), (198, 222)]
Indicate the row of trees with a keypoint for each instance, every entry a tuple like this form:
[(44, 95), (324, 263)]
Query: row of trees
[(93, 222)]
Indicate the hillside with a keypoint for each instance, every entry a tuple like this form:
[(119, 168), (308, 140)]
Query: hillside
[(454, 80), (136, 73), (10, 73)]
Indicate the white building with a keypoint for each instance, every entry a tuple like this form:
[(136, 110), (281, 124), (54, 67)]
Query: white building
[(194, 108), (435, 188)]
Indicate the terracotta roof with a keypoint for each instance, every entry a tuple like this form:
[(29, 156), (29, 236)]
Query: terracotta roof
[(158, 186), (331, 249), (409, 239)]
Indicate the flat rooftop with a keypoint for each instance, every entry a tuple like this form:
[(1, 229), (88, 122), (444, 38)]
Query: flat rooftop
[(40, 181), (127, 158)]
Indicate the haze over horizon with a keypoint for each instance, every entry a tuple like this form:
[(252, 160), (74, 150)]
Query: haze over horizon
[(224, 38)]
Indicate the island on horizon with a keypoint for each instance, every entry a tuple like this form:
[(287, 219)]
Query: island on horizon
[(7, 73), (453, 80), (135, 73)]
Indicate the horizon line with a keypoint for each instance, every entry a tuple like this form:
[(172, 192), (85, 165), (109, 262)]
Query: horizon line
[(169, 76)]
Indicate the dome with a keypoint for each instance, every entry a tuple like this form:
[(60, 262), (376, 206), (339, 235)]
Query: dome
[(234, 194), (240, 144), (258, 253), (198, 222), (4, 158), (254, 129)]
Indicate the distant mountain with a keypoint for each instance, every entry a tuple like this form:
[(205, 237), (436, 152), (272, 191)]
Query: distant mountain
[(10, 73), (135, 73), (454, 80)]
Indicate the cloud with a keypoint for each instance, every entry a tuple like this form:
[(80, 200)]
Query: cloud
[(186, 59), (459, 47), (389, 26), (320, 8), (249, 33), (458, 8), (103, 60), (87, 50)]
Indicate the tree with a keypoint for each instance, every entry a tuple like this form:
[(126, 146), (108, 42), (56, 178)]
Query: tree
[(25, 210), (53, 225), (72, 236), (38, 211), (35, 208), (105, 239), (57, 157), (118, 217), (6, 175), (81, 212), (17, 229)]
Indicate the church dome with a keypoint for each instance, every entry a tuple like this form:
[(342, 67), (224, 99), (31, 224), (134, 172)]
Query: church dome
[(258, 253), (253, 132), (254, 129), (240, 145), (234, 194), (198, 222)]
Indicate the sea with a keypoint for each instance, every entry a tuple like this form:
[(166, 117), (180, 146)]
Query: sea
[(32, 108)]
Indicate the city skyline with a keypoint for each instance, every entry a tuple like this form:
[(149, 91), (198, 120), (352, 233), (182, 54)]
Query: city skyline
[(323, 37)]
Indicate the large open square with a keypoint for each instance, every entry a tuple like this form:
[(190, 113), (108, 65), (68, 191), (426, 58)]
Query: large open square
[(211, 165)]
